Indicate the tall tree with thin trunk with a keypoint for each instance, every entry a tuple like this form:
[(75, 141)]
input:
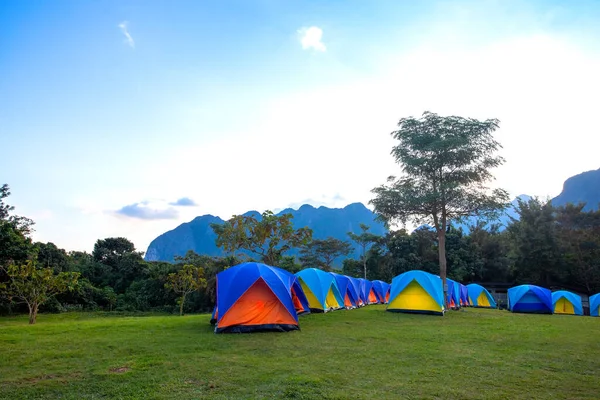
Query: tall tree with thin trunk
[(447, 164), (365, 239), (187, 280)]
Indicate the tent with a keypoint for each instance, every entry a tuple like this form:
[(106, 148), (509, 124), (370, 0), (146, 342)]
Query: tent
[(257, 297), (356, 284), (530, 299), (381, 289), (370, 293), (321, 290), (463, 297), (346, 290), (480, 297), (453, 294), (564, 302), (417, 292), (595, 305)]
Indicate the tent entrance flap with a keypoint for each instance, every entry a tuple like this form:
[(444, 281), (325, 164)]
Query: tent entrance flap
[(564, 306), (258, 306), (331, 301), (414, 297), (482, 300)]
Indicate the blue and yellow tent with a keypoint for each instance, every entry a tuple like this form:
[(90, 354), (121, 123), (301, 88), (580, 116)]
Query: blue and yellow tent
[(257, 297), (356, 284), (564, 302), (417, 292), (346, 290), (595, 305), (320, 289), (381, 290), (480, 297), (453, 294), (530, 299)]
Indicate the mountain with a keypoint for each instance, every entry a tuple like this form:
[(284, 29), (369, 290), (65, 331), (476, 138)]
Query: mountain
[(582, 188), (503, 220), (197, 235)]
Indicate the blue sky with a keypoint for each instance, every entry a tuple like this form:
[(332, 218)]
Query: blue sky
[(127, 118)]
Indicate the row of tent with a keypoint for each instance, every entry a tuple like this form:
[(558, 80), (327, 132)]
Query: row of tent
[(253, 296), (539, 300)]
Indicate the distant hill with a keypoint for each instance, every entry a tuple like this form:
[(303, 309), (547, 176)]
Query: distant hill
[(503, 220), (197, 235), (582, 188)]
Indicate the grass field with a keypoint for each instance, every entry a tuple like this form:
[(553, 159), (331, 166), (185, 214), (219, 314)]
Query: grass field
[(365, 353)]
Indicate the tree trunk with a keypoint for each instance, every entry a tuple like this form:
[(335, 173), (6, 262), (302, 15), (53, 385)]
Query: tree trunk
[(365, 266), (442, 257), (181, 305), (33, 310)]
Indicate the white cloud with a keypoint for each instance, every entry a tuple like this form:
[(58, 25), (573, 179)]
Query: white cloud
[(128, 38), (311, 38)]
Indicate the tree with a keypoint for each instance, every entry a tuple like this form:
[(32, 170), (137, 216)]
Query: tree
[(321, 253), (187, 280), (35, 286), (15, 244), (446, 163), (268, 236), (364, 240)]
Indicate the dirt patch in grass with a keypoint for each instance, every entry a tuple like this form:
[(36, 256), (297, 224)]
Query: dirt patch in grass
[(119, 370)]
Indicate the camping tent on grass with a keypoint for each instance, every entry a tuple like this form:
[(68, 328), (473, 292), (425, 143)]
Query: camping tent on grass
[(595, 305), (564, 302), (480, 297), (463, 295), (320, 289), (370, 294), (381, 289), (453, 295), (530, 299), (257, 297), (346, 290), (417, 292), (356, 284)]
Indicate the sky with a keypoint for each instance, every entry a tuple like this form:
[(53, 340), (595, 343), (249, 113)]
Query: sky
[(128, 118)]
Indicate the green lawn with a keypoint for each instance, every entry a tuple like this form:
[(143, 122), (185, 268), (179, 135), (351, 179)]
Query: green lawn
[(365, 353)]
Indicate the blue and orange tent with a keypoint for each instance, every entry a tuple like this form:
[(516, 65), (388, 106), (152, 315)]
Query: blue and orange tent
[(381, 289), (417, 292), (464, 295), (257, 297), (346, 290), (453, 294), (356, 284), (530, 299), (321, 290), (564, 302), (595, 305), (370, 292), (480, 297)]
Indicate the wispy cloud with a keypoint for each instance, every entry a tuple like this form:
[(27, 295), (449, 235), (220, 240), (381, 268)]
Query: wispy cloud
[(128, 38), (184, 202), (143, 210), (311, 38)]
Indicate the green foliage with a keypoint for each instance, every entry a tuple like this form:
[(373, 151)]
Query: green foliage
[(268, 237), (35, 286), (321, 253), (15, 244), (446, 163), (365, 239), (185, 281)]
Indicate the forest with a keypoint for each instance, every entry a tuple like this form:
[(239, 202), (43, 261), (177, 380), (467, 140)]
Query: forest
[(549, 246)]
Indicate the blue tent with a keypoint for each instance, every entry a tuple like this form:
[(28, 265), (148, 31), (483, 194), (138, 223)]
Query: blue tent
[(356, 284), (453, 294), (595, 305), (463, 295), (564, 302), (381, 289), (480, 297), (257, 297), (530, 299), (321, 290), (417, 292), (346, 290)]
